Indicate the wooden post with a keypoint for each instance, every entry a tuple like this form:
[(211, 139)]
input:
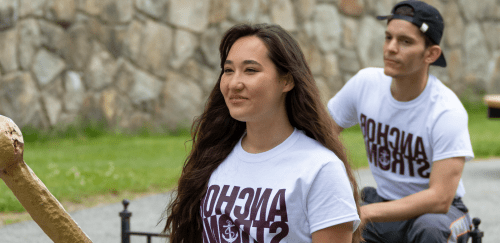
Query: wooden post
[(43, 207)]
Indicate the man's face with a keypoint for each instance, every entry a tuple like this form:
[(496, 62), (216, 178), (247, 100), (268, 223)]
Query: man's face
[(404, 49)]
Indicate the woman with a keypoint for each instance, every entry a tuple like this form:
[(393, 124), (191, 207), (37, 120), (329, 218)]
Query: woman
[(262, 167)]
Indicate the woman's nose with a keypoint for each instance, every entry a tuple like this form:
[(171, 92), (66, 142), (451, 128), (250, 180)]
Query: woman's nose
[(236, 82)]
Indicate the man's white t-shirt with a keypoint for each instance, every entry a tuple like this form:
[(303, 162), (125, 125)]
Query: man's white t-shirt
[(281, 195), (403, 139)]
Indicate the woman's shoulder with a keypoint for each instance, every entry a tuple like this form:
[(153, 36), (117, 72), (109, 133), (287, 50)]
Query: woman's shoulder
[(313, 150)]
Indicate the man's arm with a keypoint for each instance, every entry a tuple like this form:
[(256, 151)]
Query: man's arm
[(443, 184)]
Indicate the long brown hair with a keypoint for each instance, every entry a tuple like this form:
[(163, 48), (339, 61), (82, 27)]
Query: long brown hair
[(215, 132)]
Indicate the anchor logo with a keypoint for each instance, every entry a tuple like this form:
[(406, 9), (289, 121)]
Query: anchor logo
[(384, 160), (232, 236)]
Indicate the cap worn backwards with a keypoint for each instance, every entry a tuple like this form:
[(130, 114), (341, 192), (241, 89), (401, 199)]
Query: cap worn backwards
[(426, 18)]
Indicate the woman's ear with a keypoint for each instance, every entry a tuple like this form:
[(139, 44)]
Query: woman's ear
[(288, 82), (432, 53)]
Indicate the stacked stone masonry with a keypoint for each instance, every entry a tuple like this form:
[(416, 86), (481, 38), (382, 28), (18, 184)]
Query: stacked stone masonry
[(135, 63)]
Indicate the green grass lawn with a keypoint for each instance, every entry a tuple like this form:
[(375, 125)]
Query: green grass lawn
[(73, 169), (76, 167), (485, 134), (352, 139)]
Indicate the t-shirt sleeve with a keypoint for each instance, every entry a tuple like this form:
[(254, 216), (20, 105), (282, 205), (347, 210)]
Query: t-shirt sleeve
[(330, 200), (343, 106), (450, 136)]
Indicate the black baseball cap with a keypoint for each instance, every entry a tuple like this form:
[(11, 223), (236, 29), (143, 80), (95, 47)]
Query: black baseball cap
[(426, 18)]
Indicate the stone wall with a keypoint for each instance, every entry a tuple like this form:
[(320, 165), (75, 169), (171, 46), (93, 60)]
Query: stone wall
[(134, 62)]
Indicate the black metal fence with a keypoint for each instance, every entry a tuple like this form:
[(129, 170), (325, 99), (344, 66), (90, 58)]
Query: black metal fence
[(126, 233), (476, 235)]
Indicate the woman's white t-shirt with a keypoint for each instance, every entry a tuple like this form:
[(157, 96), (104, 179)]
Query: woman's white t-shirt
[(281, 195)]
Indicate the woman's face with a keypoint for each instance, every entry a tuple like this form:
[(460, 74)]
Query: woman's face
[(250, 84)]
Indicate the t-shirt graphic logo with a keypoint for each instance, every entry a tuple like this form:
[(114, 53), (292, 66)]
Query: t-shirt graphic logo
[(394, 150), (229, 235), (229, 231), (384, 158), (231, 214)]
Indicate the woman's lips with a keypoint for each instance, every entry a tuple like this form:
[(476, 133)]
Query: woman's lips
[(237, 99)]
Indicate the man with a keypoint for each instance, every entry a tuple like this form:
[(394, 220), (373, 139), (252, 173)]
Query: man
[(415, 131)]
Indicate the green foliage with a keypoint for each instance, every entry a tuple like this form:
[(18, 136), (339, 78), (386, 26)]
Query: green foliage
[(88, 130), (95, 130), (31, 134)]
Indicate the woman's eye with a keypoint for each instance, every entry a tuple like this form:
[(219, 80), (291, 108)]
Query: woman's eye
[(227, 70), (251, 70)]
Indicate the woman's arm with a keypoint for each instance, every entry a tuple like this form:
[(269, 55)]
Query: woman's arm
[(341, 233)]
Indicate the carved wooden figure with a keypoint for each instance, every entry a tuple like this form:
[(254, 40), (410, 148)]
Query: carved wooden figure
[(43, 207)]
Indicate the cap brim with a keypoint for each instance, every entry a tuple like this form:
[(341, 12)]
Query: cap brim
[(383, 17), (440, 62)]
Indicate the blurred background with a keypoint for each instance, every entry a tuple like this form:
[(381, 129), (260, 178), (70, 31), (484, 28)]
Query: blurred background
[(105, 91), (135, 64)]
